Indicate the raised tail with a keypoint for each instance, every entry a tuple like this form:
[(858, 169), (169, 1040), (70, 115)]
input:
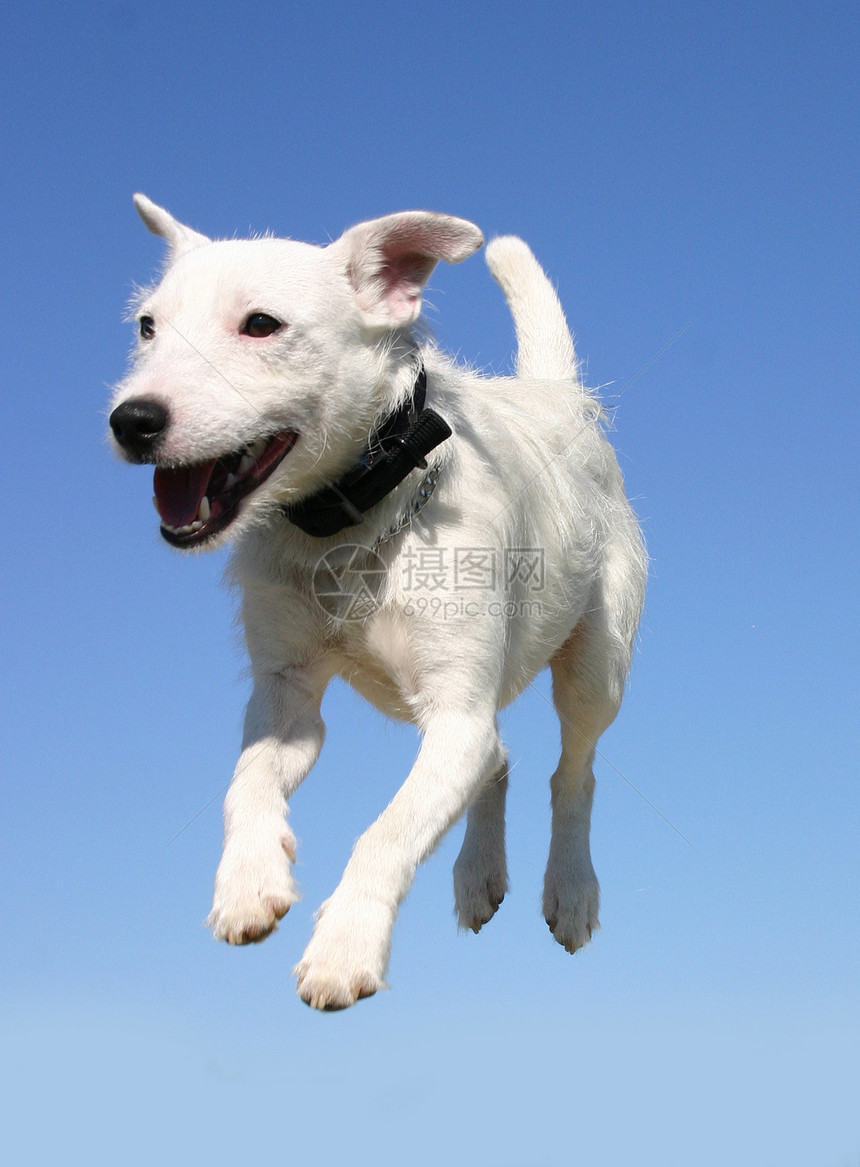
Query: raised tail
[(544, 344)]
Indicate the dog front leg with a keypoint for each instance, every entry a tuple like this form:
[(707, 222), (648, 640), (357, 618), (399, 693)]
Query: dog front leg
[(283, 736), (348, 952)]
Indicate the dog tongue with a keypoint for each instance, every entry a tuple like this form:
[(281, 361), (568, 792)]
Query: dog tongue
[(178, 493)]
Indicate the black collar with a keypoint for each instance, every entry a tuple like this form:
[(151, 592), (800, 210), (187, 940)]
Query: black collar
[(396, 447)]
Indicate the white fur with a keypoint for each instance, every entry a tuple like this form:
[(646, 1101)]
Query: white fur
[(526, 468)]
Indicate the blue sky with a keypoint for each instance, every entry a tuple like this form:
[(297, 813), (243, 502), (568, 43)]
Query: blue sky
[(675, 167)]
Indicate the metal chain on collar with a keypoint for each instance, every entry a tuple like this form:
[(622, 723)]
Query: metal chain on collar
[(422, 497)]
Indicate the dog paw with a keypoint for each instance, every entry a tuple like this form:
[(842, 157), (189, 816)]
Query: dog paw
[(570, 908), (330, 987), (479, 889), (347, 955), (253, 890), (480, 871)]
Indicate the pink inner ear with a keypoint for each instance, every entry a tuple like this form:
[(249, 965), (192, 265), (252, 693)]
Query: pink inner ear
[(403, 277)]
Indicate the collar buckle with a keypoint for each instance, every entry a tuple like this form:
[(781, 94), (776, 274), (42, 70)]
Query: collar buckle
[(397, 446)]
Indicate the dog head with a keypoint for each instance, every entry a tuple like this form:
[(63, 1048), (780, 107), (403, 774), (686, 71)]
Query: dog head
[(262, 364)]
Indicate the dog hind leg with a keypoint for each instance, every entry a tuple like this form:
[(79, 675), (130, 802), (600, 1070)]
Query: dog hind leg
[(481, 872), (587, 680)]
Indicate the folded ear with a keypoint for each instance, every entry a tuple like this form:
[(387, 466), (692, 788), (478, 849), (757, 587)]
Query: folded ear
[(389, 260), (160, 222)]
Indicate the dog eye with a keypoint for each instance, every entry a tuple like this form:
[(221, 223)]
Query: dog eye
[(259, 325), (147, 327)]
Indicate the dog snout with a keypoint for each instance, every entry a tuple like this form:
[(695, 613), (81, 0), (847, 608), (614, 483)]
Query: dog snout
[(138, 424)]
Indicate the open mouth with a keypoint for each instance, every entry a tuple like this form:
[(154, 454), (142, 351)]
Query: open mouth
[(197, 502)]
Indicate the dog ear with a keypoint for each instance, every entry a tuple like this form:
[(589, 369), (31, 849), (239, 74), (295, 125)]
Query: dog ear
[(389, 260), (160, 222)]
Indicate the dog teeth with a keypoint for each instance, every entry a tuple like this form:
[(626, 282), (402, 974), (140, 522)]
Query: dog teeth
[(253, 452), (204, 512), (188, 529)]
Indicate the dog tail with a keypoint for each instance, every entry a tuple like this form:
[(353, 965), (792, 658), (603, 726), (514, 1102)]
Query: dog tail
[(544, 344)]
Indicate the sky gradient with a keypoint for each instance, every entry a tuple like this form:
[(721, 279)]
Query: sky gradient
[(687, 174)]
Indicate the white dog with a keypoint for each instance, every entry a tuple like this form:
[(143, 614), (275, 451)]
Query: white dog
[(434, 536)]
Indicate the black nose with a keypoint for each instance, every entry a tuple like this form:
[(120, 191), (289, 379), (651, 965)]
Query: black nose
[(137, 425)]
